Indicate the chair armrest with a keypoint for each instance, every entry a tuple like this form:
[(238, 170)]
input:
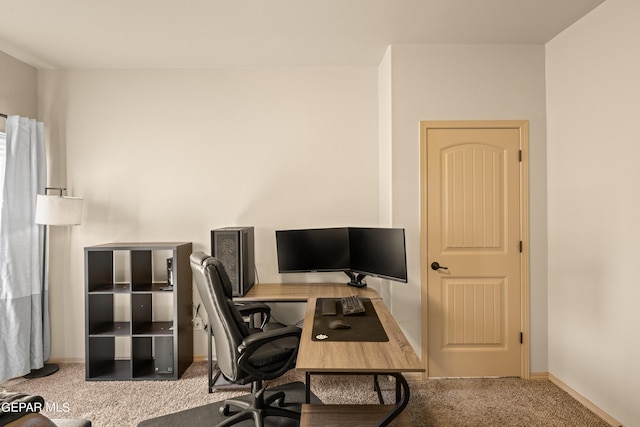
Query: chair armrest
[(261, 338), (255, 308)]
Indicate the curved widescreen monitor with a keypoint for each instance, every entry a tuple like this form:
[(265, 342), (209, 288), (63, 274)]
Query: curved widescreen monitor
[(357, 251)]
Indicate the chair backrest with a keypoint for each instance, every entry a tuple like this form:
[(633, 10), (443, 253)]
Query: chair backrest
[(228, 326)]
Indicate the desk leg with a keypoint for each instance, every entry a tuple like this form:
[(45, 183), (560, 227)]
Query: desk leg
[(402, 399), (210, 361), (376, 387), (212, 367), (307, 387)]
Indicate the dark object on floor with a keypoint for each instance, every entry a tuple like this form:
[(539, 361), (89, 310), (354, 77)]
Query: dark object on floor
[(209, 415), (244, 356), (17, 405), (45, 371)]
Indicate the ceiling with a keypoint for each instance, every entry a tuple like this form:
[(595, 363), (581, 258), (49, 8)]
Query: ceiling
[(79, 34)]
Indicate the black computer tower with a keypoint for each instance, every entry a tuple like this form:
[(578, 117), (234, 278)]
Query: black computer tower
[(234, 247)]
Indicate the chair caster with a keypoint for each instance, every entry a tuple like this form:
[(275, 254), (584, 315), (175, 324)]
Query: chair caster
[(224, 410)]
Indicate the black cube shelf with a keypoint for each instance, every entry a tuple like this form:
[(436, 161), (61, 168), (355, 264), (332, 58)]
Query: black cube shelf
[(123, 283)]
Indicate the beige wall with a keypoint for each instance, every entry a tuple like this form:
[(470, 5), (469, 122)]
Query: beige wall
[(466, 82), (168, 155), (594, 144), (18, 88), (274, 148)]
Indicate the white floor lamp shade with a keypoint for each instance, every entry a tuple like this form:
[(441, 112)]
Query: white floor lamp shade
[(58, 210)]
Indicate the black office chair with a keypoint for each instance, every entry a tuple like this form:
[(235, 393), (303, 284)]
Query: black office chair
[(244, 357)]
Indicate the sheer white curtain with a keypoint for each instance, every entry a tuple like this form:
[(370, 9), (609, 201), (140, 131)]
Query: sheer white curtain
[(24, 318)]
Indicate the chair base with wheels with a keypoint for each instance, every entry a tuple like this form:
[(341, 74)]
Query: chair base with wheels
[(257, 408)]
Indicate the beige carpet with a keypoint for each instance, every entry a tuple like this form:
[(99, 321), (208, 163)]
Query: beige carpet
[(450, 402)]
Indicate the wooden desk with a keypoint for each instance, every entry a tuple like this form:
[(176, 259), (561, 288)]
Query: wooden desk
[(395, 355), (392, 357)]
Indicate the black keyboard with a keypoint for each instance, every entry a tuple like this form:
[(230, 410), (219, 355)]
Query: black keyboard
[(352, 305)]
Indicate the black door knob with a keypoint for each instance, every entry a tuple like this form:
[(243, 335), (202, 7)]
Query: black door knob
[(436, 266)]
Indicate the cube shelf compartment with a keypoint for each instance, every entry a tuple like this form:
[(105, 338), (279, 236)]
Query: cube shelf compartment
[(159, 345)]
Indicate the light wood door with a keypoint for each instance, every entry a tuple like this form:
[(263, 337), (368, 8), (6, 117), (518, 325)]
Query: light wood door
[(474, 232)]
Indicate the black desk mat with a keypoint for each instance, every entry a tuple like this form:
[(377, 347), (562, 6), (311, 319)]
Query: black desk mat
[(364, 327)]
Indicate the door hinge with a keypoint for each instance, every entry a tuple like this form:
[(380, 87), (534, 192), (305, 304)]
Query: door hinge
[(520, 155), (521, 338), (520, 246)]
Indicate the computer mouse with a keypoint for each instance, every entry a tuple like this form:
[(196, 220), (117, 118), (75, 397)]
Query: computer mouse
[(339, 324)]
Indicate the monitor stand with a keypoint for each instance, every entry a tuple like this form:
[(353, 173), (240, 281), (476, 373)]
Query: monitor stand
[(356, 280)]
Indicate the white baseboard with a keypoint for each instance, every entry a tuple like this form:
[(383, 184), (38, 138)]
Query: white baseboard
[(539, 376), (584, 401), (66, 360), (413, 376)]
